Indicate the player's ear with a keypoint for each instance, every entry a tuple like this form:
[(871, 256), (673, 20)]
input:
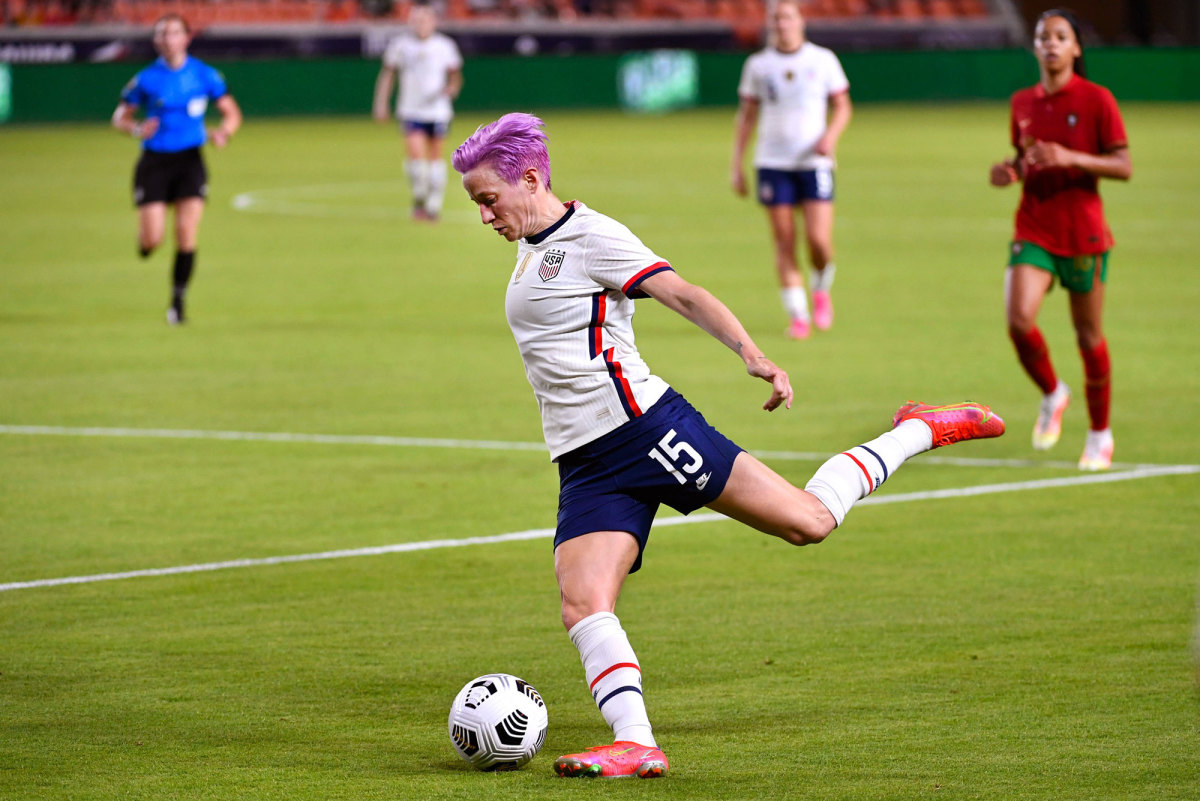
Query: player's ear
[(530, 179)]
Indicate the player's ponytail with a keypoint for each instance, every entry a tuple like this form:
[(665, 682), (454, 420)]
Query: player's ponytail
[(1079, 68)]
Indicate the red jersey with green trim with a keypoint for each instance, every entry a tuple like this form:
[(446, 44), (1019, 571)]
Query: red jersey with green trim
[(1060, 208)]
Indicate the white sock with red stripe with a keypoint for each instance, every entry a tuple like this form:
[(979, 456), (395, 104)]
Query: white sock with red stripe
[(852, 475), (614, 676)]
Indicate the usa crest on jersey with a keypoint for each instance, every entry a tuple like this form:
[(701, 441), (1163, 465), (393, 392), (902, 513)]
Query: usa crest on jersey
[(551, 264)]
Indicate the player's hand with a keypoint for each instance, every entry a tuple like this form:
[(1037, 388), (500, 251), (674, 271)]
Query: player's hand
[(147, 128), (825, 146), (737, 179), (1004, 174), (1049, 154), (220, 137), (380, 115), (781, 387)]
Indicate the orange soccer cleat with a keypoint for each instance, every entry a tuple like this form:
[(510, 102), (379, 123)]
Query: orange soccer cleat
[(622, 758), (957, 422)]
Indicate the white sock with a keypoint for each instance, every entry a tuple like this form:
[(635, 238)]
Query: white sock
[(852, 475), (614, 676), (795, 302), (822, 280), (418, 179), (437, 186)]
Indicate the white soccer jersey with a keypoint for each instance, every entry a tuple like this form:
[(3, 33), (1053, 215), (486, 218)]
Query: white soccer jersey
[(793, 90), (570, 308), (423, 66)]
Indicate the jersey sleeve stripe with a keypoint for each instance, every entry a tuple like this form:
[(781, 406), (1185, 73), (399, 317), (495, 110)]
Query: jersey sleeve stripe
[(631, 286)]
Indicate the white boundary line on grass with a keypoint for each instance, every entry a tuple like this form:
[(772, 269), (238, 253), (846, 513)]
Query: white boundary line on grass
[(475, 444), (546, 533)]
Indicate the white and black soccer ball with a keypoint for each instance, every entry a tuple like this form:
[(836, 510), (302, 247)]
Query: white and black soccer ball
[(498, 722)]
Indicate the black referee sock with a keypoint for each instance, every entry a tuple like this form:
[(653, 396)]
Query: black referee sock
[(184, 264)]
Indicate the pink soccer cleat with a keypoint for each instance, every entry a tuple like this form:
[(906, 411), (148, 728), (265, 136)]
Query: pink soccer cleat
[(799, 329), (622, 758), (957, 422), (822, 310)]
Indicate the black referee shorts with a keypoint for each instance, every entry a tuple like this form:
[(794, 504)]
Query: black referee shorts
[(167, 177)]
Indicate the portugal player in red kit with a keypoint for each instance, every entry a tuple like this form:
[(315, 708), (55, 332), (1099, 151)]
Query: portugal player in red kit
[(1068, 134)]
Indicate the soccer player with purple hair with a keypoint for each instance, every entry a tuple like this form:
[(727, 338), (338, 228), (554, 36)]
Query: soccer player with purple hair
[(624, 441)]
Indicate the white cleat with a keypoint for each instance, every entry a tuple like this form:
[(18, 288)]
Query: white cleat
[(1097, 450), (1048, 427)]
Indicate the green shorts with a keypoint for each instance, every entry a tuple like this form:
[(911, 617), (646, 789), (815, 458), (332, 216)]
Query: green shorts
[(1075, 273)]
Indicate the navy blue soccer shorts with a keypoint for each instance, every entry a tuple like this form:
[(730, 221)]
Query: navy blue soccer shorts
[(792, 187), (434, 130), (668, 455)]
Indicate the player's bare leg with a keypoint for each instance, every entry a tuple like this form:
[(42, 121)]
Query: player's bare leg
[(591, 571), (818, 232), (764, 500), (795, 302), (152, 224), (1025, 287)]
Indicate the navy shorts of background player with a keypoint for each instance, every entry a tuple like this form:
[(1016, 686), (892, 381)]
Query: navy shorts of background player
[(668, 455), (434, 130), (792, 187)]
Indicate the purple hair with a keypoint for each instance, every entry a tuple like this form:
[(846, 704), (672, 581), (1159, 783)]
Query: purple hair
[(510, 145)]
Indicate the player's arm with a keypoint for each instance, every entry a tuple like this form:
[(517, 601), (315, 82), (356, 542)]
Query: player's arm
[(699, 306), (743, 128), (384, 83), (1009, 171), (231, 120), (1114, 164), (125, 120), (454, 82), (840, 112)]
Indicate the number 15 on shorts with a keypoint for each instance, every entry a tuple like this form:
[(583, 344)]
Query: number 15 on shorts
[(672, 454)]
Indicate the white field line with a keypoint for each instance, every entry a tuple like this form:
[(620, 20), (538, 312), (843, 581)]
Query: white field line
[(546, 533), (476, 444)]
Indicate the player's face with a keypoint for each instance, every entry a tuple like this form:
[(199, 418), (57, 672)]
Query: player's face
[(171, 39), (423, 21), (508, 209), (1055, 45), (789, 27)]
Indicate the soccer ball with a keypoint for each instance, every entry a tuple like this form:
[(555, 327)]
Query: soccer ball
[(498, 722)]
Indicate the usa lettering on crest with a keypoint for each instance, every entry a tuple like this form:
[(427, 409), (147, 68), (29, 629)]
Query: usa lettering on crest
[(551, 264)]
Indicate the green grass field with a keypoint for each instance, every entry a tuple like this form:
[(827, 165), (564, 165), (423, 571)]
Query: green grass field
[(1030, 644)]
